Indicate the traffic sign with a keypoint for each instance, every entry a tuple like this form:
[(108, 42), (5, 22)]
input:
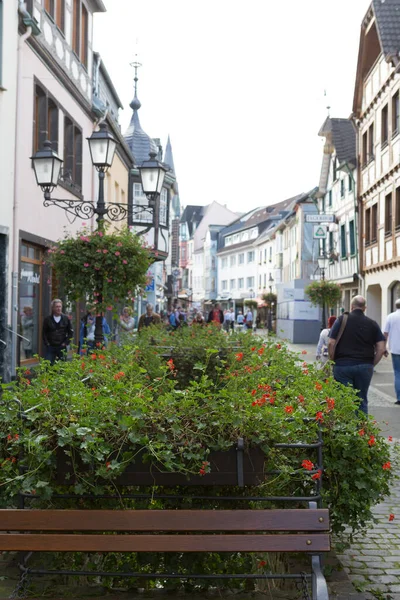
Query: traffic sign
[(320, 232), (320, 218)]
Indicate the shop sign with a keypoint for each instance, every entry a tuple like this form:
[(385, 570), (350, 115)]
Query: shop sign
[(30, 276)]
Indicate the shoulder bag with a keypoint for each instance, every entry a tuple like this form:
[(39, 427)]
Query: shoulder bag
[(332, 349)]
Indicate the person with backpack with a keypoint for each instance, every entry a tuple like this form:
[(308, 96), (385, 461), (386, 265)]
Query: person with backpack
[(322, 349)]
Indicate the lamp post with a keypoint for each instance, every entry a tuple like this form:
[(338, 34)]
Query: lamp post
[(323, 262), (269, 325), (102, 145)]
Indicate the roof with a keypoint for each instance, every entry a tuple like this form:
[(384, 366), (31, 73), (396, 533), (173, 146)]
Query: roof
[(193, 213), (98, 6), (107, 78), (387, 14), (138, 141), (343, 134)]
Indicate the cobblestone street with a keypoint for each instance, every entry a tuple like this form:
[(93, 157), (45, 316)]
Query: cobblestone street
[(373, 561)]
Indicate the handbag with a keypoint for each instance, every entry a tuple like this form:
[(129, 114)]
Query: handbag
[(332, 349)]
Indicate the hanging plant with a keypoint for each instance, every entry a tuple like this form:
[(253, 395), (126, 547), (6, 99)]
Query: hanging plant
[(250, 303), (323, 293), (269, 298), (101, 267)]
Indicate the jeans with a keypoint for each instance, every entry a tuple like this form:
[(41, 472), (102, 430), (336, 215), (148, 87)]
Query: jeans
[(359, 376), (54, 353), (396, 369)]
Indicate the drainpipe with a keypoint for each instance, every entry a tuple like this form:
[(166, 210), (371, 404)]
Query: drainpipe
[(19, 112), (357, 220)]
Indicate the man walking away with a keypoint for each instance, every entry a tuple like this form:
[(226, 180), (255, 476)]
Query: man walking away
[(360, 347), (57, 333), (392, 334), (149, 318)]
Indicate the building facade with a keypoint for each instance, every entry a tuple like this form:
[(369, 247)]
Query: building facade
[(376, 110)]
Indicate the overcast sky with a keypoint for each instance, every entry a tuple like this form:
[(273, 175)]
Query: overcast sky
[(239, 87)]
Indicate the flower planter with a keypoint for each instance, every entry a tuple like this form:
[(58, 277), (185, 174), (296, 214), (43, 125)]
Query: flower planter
[(225, 470)]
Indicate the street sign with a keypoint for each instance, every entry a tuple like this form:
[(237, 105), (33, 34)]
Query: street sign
[(320, 218), (320, 232), (150, 287), (176, 273)]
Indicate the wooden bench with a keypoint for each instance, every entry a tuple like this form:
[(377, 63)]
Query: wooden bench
[(287, 530)]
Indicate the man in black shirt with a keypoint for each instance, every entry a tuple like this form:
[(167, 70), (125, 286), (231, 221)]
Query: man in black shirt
[(359, 349), (57, 333)]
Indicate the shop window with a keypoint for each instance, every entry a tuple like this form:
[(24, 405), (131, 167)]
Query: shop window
[(30, 292), (72, 153)]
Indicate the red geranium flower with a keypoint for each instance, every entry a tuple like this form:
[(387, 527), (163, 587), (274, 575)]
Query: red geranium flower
[(317, 475), (390, 439), (239, 356), (261, 351), (301, 398), (391, 517), (371, 441), (171, 364), (304, 351), (308, 465), (361, 432), (386, 466), (289, 409), (318, 386), (261, 564), (319, 416), (278, 346)]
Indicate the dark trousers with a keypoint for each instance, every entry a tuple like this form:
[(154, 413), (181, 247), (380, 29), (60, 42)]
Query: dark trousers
[(54, 353), (358, 376)]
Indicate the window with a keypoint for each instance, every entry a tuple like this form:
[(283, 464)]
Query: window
[(343, 245), (260, 257), (368, 226), (388, 214), (29, 305), (385, 125), (330, 198), (350, 183), (241, 259), (365, 148), (80, 31), (72, 152), (56, 10), (265, 280), (342, 188), (270, 254), (241, 283), (331, 243), (259, 282), (323, 205), (397, 217), (224, 263), (374, 223), (250, 256), (334, 167), (163, 219), (265, 255), (250, 282), (232, 261), (139, 199), (232, 284), (352, 232), (371, 154), (45, 120), (395, 114), (225, 284)]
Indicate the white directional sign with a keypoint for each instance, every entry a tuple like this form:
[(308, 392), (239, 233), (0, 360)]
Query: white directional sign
[(320, 218), (320, 232)]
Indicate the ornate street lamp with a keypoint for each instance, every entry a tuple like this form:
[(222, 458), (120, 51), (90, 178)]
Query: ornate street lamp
[(151, 219)]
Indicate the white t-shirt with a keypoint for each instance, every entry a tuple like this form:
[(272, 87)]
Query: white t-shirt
[(57, 319), (392, 327)]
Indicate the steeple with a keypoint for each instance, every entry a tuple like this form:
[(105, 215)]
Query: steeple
[(169, 159), (138, 141)]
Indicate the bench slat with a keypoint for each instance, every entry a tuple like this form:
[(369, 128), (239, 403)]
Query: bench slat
[(164, 520), (165, 543)]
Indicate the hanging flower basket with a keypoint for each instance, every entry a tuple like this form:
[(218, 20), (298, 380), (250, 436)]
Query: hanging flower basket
[(323, 293)]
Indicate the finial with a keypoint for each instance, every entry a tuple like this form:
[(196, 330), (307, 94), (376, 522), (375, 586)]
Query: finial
[(135, 104)]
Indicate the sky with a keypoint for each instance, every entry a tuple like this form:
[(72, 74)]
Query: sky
[(240, 87)]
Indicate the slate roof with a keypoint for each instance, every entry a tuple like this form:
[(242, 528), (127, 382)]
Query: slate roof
[(387, 13), (343, 138), (193, 213), (138, 141)]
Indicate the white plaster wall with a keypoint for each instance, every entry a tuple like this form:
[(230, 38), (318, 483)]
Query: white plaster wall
[(247, 269), (33, 217), (198, 276), (386, 279), (7, 126)]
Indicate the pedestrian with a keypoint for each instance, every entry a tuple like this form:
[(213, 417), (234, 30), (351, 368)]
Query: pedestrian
[(240, 320), (249, 319), (149, 318), (356, 344), (216, 315), (126, 323), (232, 320), (322, 349), (56, 333), (392, 334), (227, 320), (88, 329), (199, 319)]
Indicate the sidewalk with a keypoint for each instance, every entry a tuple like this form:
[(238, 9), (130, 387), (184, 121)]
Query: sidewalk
[(373, 561)]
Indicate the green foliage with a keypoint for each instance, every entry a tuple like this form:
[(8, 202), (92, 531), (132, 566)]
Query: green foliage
[(175, 397), (111, 265), (269, 298), (250, 303), (323, 293)]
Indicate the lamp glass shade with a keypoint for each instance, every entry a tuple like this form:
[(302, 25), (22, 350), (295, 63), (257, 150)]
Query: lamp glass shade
[(102, 147), (322, 262), (152, 174), (47, 166)]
